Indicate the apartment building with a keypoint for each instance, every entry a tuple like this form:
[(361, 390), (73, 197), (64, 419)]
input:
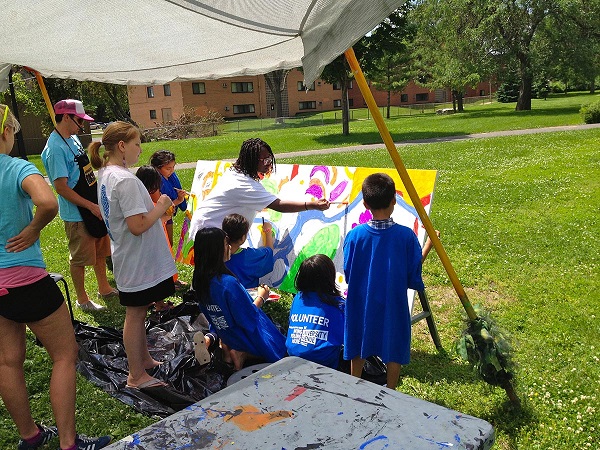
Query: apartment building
[(250, 96)]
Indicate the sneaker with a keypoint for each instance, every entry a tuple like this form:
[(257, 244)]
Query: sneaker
[(91, 443), (46, 434), (90, 306), (112, 294)]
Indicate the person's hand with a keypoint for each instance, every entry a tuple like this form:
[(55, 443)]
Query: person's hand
[(95, 210), (263, 291), (181, 196), (322, 204), (164, 201), (25, 239), (267, 228)]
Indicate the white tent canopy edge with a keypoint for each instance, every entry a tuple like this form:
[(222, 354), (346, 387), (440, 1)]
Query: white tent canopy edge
[(159, 41)]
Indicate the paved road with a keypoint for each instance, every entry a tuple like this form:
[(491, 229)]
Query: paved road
[(358, 148)]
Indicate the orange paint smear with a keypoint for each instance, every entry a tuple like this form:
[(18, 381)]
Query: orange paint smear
[(250, 418)]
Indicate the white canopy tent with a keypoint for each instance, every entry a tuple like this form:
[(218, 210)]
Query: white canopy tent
[(158, 41)]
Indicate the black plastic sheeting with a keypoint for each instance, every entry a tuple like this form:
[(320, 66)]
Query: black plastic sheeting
[(102, 360)]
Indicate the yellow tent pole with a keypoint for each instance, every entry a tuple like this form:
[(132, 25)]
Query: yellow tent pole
[(408, 184), (42, 85)]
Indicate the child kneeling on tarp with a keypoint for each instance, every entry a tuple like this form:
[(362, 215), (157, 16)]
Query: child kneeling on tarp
[(244, 329)]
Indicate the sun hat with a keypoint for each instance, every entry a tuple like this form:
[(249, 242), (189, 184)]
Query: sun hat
[(71, 106)]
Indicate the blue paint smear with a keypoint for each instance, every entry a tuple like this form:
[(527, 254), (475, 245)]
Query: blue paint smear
[(441, 445), (369, 442), (340, 413), (457, 437)]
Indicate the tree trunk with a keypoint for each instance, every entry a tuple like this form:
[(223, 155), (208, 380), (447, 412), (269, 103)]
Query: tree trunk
[(524, 99), (276, 82), (345, 108), (460, 101)]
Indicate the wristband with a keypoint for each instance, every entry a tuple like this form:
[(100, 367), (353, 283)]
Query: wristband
[(262, 298)]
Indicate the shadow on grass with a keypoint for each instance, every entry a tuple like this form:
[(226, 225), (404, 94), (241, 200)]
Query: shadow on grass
[(510, 420), (432, 367), (365, 138)]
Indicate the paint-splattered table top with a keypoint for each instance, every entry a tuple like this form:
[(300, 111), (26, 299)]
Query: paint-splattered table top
[(296, 404)]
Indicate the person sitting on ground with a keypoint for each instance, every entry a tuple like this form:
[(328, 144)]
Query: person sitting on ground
[(316, 326), (30, 297), (244, 329), (382, 260), (248, 264)]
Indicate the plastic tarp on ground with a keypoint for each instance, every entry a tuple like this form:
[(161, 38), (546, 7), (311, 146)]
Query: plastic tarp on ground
[(158, 41), (102, 360)]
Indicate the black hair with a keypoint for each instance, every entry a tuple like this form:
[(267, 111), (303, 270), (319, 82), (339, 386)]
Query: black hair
[(150, 177), (58, 117), (209, 253), (235, 226), (317, 274), (378, 190), (247, 162), (161, 157)]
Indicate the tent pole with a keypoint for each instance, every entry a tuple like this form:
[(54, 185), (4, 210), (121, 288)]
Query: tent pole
[(408, 184), (42, 86)]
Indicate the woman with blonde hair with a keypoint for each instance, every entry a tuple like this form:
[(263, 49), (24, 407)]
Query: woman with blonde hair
[(29, 297), (137, 237)]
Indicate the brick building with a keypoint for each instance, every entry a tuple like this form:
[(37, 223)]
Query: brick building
[(249, 96)]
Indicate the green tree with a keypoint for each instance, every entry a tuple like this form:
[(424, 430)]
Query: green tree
[(386, 60), (451, 49)]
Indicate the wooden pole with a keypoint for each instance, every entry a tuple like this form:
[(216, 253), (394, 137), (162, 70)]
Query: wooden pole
[(42, 86), (408, 184)]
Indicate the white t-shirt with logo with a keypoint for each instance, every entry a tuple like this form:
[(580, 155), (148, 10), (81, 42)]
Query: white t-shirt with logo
[(234, 193), (139, 262)]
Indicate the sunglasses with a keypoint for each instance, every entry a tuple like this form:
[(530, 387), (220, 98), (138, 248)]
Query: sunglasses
[(268, 160), (78, 120)]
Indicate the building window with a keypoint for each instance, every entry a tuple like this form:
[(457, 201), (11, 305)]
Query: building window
[(242, 87), (198, 88), (302, 87), (350, 84), (150, 91), (423, 97), (350, 102), (482, 92), (153, 114), (307, 105), (242, 109), (404, 98), (337, 86), (167, 90), (337, 103)]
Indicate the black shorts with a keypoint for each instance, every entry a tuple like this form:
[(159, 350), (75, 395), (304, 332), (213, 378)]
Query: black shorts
[(156, 293), (31, 303)]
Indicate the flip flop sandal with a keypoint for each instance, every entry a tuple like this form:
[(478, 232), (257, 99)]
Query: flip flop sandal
[(200, 351)]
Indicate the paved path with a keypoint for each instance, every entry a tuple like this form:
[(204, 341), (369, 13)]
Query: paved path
[(357, 148)]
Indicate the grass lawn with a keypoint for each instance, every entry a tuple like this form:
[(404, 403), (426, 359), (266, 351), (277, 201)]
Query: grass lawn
[(519, 219)]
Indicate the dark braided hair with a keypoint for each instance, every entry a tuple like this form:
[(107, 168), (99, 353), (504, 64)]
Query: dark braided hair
[(247, 162)]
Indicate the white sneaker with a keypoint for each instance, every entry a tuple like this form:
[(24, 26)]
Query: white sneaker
[(90, 306)]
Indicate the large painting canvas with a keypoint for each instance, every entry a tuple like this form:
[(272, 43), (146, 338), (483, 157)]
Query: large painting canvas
[(300, 235)]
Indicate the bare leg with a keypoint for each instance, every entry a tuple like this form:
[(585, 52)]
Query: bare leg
[(356, 366), (234, 357), (136, 345), (100, 271), (78, 277), (12, 378), (56, 334), (393, 374)]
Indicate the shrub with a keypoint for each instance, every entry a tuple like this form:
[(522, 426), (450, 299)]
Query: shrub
[(188, 125), (508, 92), (591, 112)]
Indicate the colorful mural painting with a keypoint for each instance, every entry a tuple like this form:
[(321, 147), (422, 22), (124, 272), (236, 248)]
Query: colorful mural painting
[(300, 235)]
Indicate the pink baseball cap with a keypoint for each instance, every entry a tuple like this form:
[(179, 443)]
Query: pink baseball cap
[(71, 106)]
